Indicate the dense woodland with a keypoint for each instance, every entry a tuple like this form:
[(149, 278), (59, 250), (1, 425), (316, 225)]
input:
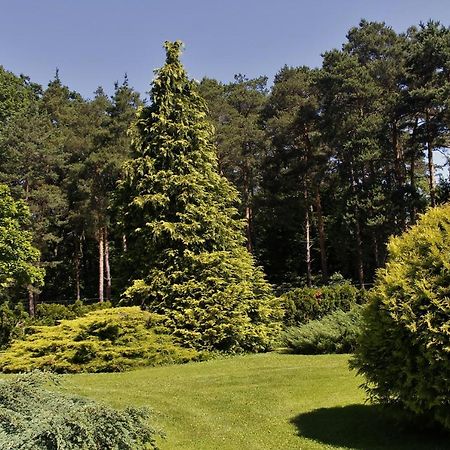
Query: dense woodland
[(329, 162)]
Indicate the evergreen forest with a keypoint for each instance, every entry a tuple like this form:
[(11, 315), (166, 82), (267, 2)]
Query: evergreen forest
[(328, 162)]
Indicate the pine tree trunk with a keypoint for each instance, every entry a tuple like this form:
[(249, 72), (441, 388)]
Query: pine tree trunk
[(31, 302), (107, 266), (78, 269), (431, 171), (359, 253), (307, 237), (248, 209), (101, 259), (398, 154), (321, 232), (248, 218), (412, 170), (376, 253), (77, 277)]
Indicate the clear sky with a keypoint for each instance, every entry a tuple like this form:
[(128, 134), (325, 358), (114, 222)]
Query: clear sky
[(94, 42)]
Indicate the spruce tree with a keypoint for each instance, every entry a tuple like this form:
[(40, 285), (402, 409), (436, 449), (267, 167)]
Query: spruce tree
[(185, 242)]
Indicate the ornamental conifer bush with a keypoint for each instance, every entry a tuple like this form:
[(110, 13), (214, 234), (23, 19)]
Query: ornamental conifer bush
[(34, 416), (404, 351), (186, 245)]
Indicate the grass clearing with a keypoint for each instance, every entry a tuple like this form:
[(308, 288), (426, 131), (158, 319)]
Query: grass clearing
[(255, 402)]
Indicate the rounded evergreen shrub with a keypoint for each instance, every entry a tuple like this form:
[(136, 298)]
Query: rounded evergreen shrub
[(35, 416), (404, 350), (335, 333)]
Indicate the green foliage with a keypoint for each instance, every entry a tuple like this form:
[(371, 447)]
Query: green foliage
[(35, 417), (335, 333), (18, 257), (52, 313), (304, 304), (404, 352), (12, 321), (15, 321), (185, 242), (16, 93), (108, 340)]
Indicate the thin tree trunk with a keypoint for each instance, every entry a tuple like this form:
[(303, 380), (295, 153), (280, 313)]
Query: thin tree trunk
[(307, 238), (376, 253), (78, 253), (248, 219), (321, 232), (431, 171), (412, 169), (399, 163), (31, 302), (248, 209), (101, 254), (107, 266), (359, 253), (124, 243), (307, 158)]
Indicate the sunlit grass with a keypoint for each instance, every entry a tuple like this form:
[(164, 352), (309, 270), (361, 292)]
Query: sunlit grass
[(269, 401)]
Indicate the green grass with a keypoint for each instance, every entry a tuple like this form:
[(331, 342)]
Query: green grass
[(256, 402)]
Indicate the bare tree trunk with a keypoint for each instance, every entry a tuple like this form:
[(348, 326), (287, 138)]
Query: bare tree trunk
[(248, 227), (248, 209), (107, 266), (399, 163), (307, 237), (124, 243), (78, 254), (101, 254), (431, 171), (359, 253), (31, 302), (321, 231), (412, 169), (376, 253), (77, 277)]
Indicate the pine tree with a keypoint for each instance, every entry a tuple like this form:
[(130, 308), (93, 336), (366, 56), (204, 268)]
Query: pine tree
[(185, 242)]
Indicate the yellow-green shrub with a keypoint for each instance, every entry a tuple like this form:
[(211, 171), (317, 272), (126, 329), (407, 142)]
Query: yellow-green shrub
[(108, 340), (404, 351)]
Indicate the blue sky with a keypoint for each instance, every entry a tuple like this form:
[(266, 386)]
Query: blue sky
[(94, 42)]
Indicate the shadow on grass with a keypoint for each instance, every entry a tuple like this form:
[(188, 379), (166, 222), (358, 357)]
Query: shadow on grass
[(365, 427)]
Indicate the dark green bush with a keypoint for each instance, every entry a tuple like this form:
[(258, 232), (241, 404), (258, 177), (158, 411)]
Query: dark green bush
[(12, 321), (404, 351), (335, 333), (109, 340), (34, 417), (311, 303)]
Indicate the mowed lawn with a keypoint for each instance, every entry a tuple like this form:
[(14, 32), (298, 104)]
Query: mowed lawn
[(269, 401)]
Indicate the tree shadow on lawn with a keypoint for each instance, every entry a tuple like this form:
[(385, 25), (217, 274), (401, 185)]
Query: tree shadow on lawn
[(365, 427)]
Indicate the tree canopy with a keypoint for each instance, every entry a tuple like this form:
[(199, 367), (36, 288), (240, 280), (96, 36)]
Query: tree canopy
[(18, 258)]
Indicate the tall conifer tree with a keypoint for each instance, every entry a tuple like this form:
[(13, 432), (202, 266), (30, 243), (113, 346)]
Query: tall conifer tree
[(186, 244)]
